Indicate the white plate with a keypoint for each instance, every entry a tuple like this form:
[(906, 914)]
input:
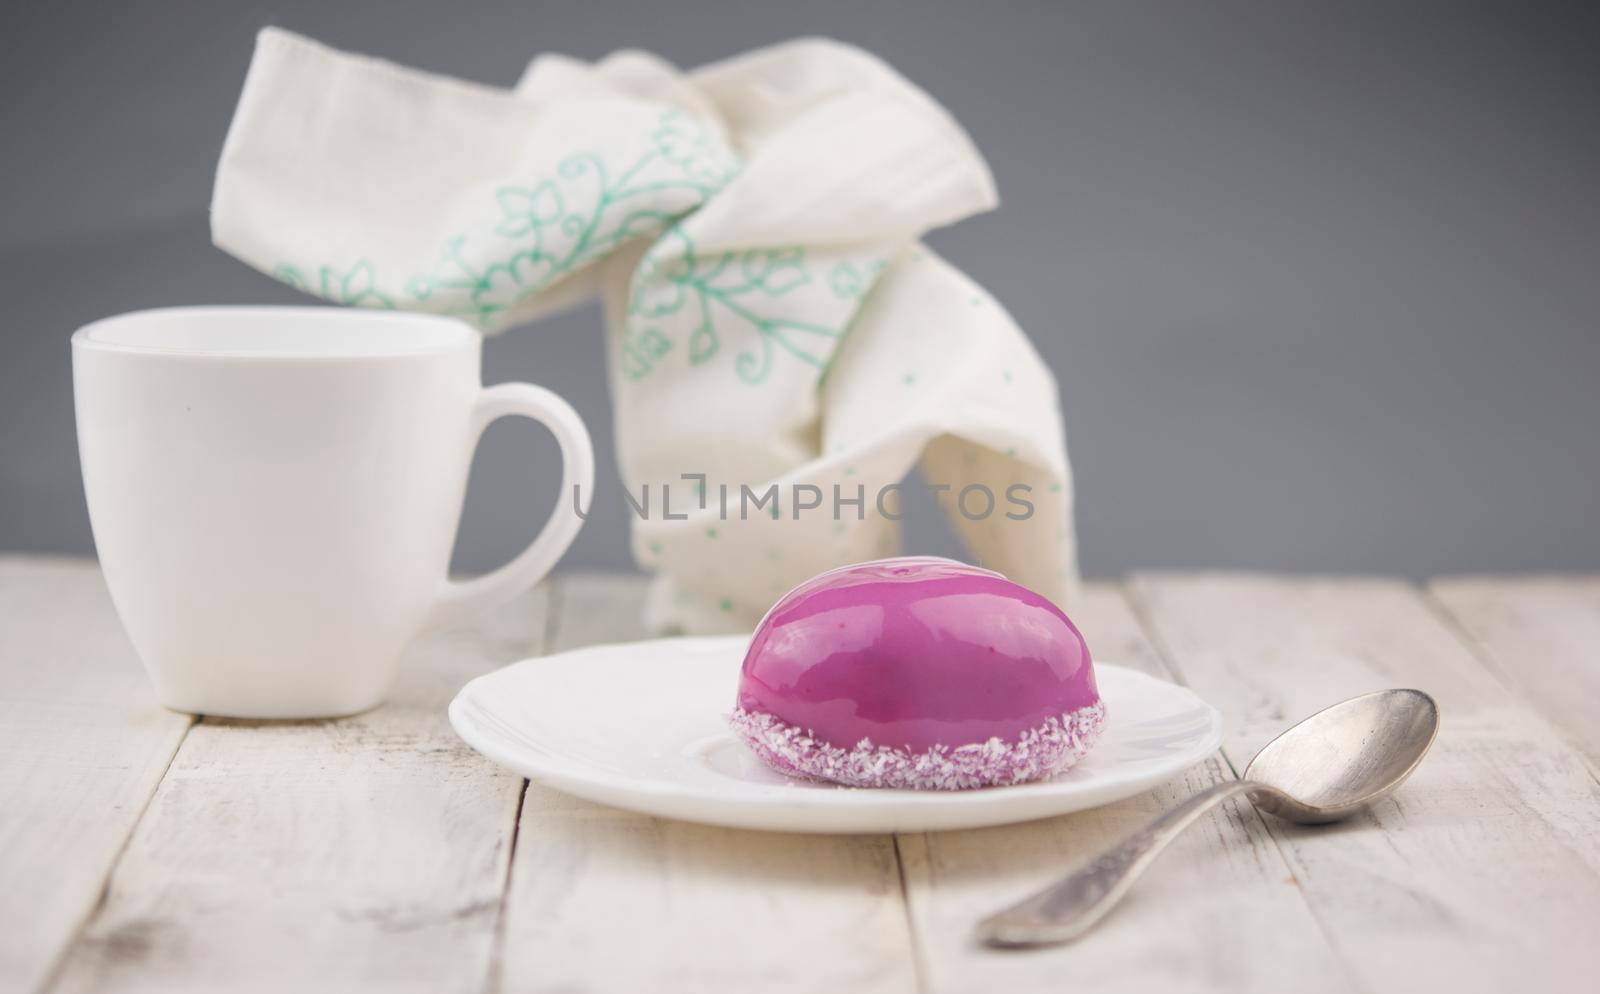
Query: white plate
[(642, 726)]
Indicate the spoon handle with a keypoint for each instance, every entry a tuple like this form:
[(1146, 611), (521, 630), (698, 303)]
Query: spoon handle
[(1071, 906)]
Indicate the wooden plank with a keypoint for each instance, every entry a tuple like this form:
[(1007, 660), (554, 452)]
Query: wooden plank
[(83, 745), (1541, 634), (1483, 873), (605, 900), (367, 853), (1183, 928)]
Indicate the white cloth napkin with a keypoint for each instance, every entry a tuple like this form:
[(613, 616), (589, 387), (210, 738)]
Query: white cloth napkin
[(752, 228)]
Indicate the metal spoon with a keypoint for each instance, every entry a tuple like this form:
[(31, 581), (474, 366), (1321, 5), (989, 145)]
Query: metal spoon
[(1325, 768)]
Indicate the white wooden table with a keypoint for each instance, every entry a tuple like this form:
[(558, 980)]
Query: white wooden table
[(142, 850)]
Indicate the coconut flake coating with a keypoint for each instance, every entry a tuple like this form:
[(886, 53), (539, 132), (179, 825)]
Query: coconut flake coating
[(1036, 754), (917, 672)]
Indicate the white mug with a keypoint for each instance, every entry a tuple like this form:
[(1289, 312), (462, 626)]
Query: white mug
[(275, 493)]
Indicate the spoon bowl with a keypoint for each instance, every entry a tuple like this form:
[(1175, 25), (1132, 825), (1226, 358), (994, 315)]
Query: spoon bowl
[(1344, 757), (1325, 768)]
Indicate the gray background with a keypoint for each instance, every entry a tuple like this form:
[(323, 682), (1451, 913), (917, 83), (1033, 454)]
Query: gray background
[(1319, 282)]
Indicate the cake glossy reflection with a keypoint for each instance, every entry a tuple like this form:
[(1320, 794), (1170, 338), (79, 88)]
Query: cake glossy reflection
[(917, 673)]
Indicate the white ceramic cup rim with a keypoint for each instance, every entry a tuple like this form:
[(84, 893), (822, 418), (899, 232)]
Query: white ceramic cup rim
[(284, 333)]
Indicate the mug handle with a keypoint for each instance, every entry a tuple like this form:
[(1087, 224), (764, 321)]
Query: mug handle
[(461, 599)]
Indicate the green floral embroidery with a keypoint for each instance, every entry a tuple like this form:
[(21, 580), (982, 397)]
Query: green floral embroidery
[(736, 287), (642, 350), (851, 282), (548, 229), (561, 225), (525, 212), (552, 227), (354, 286)]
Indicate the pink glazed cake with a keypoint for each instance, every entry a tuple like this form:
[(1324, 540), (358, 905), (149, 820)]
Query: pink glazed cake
[(917, 673)]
